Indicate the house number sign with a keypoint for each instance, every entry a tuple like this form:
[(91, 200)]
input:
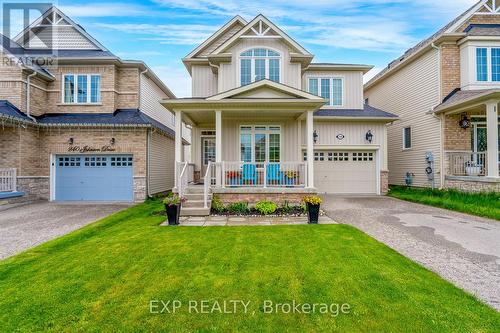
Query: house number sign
[(90, 149), (340, 136)]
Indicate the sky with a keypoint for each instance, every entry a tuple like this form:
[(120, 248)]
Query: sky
[(161, 32)]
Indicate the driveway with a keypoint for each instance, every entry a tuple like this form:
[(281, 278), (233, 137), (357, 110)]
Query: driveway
[(26, 226), (461, 248)]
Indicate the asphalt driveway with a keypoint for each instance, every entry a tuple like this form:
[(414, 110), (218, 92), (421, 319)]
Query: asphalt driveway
[(461, 248), (26, 226)]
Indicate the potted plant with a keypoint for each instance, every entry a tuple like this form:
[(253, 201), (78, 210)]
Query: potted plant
[(313, 202), (472, 169), (290, 177), (173, 204)]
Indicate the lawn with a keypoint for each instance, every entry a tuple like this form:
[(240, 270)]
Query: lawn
[(104, 276), (480, 204)]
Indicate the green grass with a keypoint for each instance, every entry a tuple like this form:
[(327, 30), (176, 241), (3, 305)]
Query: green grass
[(102, 277), (480, 204)]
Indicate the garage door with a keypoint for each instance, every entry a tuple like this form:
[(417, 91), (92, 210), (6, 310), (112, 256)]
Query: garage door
[(345, 172), (94, 178)]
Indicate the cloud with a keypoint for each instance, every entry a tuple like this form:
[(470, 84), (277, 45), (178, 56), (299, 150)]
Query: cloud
[(176, 77), (102, 9), (371, 74)]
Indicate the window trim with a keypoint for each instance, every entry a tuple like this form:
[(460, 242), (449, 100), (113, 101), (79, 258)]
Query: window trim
[(75, 93), (252, 132), (252, 63), (330, 77), (411, 138)]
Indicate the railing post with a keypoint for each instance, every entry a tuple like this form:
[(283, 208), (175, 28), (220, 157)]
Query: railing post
[(14, 180), (223, 174), (265, 174)]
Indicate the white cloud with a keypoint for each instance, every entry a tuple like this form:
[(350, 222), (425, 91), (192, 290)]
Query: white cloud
[(176, 78), (371, 74), (104, 10)]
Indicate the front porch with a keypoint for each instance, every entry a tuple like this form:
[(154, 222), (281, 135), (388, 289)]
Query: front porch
[(471, 141)]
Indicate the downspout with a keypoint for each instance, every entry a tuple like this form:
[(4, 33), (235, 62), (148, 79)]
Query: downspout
[(441, 120), (28, 96)]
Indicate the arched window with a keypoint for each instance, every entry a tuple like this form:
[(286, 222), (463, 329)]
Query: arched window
[(258, 64)]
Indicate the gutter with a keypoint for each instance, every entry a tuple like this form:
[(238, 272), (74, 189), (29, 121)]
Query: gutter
[(28, 96)]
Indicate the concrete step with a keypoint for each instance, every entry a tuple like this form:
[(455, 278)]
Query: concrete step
[(197, 189), (185, 211), (194, 203), (196, 196)]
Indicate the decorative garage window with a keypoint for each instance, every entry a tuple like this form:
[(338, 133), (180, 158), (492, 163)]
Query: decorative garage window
[(69, 161), (338, 156), (96, 161), (362, 157), (319, 156), (121, 161)]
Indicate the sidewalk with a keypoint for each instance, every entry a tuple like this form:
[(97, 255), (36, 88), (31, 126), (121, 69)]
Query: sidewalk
[(210, 221)]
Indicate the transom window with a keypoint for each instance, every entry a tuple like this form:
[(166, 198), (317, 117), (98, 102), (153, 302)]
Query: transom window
[(260, 143), (487, 64), (81, 88), (331, 89), (259, 64)]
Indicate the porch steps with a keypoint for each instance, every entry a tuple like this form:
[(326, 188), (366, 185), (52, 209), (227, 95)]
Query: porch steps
[(194, 204)]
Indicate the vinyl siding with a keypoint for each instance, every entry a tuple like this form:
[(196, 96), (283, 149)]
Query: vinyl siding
[(151, 95), (161, 169), (221, 40), (411, 93), (353, 86), (204, 81)]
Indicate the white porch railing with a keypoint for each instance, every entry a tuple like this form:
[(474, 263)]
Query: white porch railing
[(466, 163), (8, 180)]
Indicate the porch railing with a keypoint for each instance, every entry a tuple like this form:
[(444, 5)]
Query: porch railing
[(265, 174), (466, 163), (8, 180)]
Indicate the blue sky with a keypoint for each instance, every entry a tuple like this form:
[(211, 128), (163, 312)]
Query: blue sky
[(161, 32)]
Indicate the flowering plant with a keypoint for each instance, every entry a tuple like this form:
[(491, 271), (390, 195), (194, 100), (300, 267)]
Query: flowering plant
[(312, 200), (291, 174), (174, 200), (233, 174)]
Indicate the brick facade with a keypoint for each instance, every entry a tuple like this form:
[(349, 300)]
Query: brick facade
[(455, 137), (384, 182), (252, 198), (450, 68), (473, 185)]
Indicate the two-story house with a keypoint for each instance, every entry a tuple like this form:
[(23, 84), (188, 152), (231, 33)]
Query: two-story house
[(268, 122), (446, 91), (87, 126)]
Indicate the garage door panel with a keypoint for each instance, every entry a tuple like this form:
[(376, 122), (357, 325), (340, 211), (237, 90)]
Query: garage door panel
[(94, 178), (354, 173)]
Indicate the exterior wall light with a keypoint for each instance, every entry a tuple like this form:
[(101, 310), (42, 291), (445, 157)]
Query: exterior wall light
[(464, 121), (112, 141), (71, 141), (315, 136), (369, 136)]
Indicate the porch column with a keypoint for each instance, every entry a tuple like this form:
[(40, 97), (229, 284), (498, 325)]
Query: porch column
[(310, 148), (178, 143), (492, 134), (218, 146)]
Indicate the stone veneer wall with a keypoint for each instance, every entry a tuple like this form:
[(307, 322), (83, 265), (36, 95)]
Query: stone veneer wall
[(384, 182), (473, 186)]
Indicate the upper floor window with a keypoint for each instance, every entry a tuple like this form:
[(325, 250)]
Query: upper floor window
[(81, 88), (487, 64), (331, 89), (259, 64)]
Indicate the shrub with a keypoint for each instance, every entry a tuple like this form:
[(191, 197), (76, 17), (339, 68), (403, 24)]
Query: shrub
[(217, 205), (266, 207), (286, 208), (238, 208)]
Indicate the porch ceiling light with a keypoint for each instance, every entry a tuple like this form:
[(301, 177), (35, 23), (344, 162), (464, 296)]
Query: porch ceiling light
[(464, 121), (315, 136), (369, 136)]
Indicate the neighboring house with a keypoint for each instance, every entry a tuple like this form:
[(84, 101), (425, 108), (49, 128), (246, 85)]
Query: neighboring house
[(89, 127), (446, 91), (267, 122)]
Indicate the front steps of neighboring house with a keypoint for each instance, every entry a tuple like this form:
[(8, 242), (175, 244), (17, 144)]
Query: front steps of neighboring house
[(194, 204)]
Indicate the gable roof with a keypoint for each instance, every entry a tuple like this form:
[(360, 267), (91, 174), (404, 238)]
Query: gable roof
[(69, 34), (448, 29), (271, 27), (283, 91)]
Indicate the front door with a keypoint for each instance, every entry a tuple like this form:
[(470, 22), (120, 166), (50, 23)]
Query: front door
[(207, 153)]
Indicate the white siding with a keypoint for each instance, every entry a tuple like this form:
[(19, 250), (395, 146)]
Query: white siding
[(204, 81), (411, 93), (61, 37), (161, 169), (353, 86), (150, 97)]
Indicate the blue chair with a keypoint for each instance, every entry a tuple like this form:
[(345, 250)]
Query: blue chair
[(274, 175), (249, 174)]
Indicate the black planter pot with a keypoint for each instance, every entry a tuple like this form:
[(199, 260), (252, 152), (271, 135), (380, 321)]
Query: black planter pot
[(313, 213), (173, 214)]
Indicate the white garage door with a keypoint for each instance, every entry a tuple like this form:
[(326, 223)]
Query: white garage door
[(345, 172)]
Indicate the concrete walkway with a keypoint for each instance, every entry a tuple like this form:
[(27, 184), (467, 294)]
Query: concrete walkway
[(461, 248), (213, 221), (25, 226)]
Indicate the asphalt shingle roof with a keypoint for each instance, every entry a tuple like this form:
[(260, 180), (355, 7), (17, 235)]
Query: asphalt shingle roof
[(367, 112), (483, 30), (9, 110)]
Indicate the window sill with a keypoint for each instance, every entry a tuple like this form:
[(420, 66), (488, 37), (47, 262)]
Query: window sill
[(406, 149), (80, 104)]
